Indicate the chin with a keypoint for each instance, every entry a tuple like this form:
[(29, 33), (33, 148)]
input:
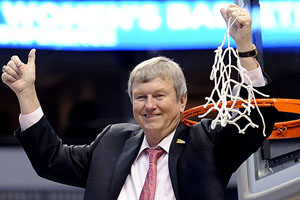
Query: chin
[(151, 128)]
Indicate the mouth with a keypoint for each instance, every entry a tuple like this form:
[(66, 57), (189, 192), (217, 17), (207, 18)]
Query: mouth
[(150, 116)]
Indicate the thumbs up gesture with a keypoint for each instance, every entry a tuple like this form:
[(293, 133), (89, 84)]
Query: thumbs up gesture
[(20, 77)]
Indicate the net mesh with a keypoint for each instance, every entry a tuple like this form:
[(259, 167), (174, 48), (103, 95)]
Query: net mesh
[(227, 89)]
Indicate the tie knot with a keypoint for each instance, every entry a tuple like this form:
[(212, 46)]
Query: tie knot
[(154, 154)]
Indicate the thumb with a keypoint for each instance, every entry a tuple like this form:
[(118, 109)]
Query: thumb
[(224, 14), (31, 57)]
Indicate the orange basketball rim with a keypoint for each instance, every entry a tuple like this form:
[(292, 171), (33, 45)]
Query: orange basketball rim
[(281, 130)]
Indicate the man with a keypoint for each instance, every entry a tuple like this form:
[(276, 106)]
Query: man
[(195, 163)]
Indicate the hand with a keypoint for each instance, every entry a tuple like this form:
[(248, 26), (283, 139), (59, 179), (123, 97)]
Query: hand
[(18, 76), (241, 29)]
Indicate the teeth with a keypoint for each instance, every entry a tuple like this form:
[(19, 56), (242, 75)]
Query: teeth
[(149, 116)]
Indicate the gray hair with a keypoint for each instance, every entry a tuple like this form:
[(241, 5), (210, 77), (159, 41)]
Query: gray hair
[(158, 67)]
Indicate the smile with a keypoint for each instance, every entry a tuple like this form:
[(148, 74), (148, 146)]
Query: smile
[(151, 116)]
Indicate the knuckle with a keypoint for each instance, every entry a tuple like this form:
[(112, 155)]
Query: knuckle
[(10, 78), (14, 57), (3, 78), (7, 69), (10, 62)]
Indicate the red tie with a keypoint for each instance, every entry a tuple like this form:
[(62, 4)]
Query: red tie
[(148, 191)]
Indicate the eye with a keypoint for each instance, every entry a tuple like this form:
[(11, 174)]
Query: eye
[(140, 98), (159, 96)]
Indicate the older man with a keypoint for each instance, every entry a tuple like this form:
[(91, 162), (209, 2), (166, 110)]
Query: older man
[(185, 162)]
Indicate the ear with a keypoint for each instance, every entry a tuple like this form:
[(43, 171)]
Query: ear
[(183, 101)]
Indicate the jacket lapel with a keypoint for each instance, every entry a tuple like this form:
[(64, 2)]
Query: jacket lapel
[(127, 157), (176, 148)]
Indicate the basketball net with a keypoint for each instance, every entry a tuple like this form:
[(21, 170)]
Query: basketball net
[(227, 89)]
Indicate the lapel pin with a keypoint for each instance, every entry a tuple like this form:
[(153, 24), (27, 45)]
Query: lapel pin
[(179, 141)]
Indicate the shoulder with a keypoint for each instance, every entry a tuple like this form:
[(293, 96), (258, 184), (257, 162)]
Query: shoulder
[(114, 136), (126, 129), (201, 131), (120, 130)]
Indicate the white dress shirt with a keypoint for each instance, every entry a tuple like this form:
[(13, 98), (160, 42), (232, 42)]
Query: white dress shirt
[(133, 185), (135, 180)]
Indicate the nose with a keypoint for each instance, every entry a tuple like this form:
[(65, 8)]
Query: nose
[(150, 103)]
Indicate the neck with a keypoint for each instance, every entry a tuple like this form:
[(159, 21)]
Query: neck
[(154, 137), (153, 142)]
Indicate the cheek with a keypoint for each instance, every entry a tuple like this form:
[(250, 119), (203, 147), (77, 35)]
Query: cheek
[(170, 107), (136, 108), (176, 109), (135, 114)]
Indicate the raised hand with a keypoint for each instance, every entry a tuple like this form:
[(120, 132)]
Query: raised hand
[(241, 32), (241, 29), (19, 76)]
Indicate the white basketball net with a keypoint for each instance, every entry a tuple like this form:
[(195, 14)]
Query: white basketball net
[(223, 89)]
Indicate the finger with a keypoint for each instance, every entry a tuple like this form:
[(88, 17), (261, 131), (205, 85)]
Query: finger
[(241, 17), (235, 6), (230, 13), (16, 64), (12, 65), (245, 20), (3, 68), (232, 7), (17, 61), (31, 57), (10, 71), (235, 12), (244, 12), (6, 78), (224, 15)]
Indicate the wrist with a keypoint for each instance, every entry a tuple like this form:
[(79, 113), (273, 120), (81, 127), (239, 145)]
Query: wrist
[(244, 47), (248, 53), (28, 100), (28, 92)]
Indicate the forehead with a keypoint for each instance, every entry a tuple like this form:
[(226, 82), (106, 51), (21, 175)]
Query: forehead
[(154, 85)]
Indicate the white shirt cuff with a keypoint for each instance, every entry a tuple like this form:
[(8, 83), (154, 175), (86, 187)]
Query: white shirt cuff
[(256, 76), (30, 119)]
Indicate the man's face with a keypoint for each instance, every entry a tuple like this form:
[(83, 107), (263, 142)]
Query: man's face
[(156, 108)]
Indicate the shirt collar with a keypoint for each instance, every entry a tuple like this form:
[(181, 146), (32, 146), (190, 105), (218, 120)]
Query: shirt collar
[(165, 143)]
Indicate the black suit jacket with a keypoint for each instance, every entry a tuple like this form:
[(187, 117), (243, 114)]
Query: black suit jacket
[(199, 169)]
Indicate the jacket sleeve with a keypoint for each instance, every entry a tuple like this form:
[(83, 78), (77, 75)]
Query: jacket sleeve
[(232, 148), (53, 160)]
